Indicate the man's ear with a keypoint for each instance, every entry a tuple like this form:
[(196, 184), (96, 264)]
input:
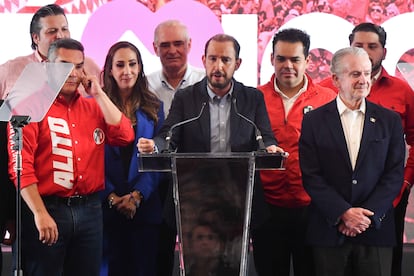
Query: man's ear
[(203, 59), (335, 80), (155, 47), (238, 63), (35, 38)]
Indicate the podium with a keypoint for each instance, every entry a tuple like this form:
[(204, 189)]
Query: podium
[(213, 201)]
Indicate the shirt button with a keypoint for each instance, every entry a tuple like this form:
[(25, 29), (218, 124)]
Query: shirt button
[(354, 181), (80, 177)]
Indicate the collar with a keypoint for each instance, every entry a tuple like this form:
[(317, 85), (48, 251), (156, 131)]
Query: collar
[(39, 56), (377, 76), (184, 79), (211, 94), (62, 100), (342, 108), (301, 90)]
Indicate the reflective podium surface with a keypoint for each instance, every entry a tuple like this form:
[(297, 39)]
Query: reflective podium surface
[(213, 198)]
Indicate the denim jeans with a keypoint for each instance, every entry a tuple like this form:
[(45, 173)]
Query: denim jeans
[(78, 250)]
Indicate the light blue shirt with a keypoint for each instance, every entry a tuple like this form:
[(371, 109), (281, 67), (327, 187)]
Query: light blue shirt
[(220, 121), (158, 84)]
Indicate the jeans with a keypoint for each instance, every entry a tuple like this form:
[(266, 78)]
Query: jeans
[(78, 250)]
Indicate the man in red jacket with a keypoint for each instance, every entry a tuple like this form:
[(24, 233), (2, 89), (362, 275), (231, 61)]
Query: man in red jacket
[(289, 94), (395, 94)]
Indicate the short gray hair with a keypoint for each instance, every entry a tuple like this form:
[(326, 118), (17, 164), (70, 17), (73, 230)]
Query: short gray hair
[(171, 23), (339, 56)]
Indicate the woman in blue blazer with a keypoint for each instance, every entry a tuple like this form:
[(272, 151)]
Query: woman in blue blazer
[(131, 204)]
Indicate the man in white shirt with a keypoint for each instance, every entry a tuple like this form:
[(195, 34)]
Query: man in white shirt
[(351, 154), (172, 45)]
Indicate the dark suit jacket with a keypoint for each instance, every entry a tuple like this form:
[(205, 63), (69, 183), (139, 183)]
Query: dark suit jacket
[(195, 136), (332, 184)]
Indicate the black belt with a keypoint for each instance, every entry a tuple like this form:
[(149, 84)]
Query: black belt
[(71, 200)]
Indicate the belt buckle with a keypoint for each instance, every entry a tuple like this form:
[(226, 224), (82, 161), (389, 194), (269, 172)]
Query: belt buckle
[(75, 197)]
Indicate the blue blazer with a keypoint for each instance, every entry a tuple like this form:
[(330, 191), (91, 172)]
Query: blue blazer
[(146, 183), (334, 186)]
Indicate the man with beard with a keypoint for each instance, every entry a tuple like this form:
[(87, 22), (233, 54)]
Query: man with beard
[(218, 91), (395, 94), (219, 128)]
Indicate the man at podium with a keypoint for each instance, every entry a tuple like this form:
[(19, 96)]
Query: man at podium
[(217, 114)]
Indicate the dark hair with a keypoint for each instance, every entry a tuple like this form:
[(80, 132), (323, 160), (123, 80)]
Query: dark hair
[(141, 96), (44, 11), (293, 35), (224, 38), (369, 27), (65, 43)]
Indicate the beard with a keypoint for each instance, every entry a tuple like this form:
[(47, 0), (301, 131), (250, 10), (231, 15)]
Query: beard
[(376, 66), (218, 85)]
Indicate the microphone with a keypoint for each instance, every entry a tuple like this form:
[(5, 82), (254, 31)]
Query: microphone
[(259, 137), (170, 131)]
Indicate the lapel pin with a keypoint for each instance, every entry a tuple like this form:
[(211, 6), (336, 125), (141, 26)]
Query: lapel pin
[(307, 108), (372, 120)]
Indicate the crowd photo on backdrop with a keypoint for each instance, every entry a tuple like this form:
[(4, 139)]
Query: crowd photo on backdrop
[(290, 70)]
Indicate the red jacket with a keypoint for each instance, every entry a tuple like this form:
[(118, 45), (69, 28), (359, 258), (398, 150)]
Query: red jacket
[(395, 94), (284, 188)]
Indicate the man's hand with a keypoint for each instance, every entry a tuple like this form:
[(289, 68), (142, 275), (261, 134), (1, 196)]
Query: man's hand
[(46, 225), (274, 149), (355, 221), (91, 85)]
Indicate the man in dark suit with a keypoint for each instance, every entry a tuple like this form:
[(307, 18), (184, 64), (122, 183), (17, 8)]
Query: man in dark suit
[(218, 100), (352, 161), (217, 90)]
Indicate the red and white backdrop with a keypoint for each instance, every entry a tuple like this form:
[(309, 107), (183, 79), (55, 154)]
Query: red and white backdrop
[(100, 23)]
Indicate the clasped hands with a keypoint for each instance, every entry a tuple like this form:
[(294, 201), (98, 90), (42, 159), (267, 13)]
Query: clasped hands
[(123, 204), (355, 221)]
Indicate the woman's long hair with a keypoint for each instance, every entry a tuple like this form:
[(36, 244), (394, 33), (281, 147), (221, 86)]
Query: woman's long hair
[(141, 96)]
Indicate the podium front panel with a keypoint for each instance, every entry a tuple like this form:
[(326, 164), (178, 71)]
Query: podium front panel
[(211, 200)]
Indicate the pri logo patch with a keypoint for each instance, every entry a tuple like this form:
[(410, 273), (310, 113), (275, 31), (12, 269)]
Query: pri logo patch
[(98, 136)]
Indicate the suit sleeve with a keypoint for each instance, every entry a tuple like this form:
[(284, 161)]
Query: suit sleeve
[(324, 197), (390, 182), (263, 122)]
